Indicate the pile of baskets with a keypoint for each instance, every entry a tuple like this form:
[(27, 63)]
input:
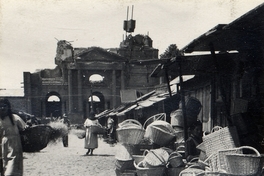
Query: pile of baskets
[(224, 156), (157, 162)]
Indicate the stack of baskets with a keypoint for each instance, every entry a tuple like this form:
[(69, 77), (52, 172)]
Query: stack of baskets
[(130, 132), (224, 156)]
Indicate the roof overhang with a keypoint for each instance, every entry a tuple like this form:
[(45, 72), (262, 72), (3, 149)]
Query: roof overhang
[(242, 34), (196, 65)]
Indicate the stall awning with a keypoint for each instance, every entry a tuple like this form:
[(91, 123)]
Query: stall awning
[(126, 110), (196, 65)]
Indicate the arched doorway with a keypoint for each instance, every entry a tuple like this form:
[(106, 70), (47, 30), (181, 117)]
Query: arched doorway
[(98, 105), (53, 105), (98, 102)]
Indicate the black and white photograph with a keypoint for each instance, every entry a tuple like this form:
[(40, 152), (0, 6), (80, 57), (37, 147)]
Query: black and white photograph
[(131, 88)]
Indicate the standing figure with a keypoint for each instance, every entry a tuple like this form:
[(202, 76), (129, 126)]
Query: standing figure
[(91, 139), (193, 141), (12, 152), (111, 130), (65, 138)]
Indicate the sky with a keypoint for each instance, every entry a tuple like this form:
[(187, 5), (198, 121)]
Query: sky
[(29, 29)]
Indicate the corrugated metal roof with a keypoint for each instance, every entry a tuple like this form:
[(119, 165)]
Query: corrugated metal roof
[(196, 65)]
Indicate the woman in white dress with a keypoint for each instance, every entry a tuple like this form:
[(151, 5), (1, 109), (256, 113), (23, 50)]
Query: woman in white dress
[(91, 139)]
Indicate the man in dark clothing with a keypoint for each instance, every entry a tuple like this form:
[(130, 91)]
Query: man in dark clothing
[(194, 139), (65, 138)]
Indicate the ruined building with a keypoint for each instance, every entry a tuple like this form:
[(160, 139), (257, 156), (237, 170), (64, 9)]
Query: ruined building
[(67, 89)]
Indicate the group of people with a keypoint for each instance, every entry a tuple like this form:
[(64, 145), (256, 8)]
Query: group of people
[(11, 125)]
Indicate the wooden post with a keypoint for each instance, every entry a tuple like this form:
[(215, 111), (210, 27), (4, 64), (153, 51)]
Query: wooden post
[(185, 126)]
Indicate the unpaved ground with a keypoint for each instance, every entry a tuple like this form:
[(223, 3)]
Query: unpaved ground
[(56, 160)]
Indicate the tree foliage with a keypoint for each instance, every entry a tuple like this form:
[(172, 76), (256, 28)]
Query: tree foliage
[(170, 52)]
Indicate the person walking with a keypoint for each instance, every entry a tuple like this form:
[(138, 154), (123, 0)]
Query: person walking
[(12, 152), (91, 139)]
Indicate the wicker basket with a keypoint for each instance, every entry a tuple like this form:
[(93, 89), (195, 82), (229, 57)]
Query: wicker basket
[(35, 138), (175, 160), (130, 135), (159, 136), (223, 138), (130, 132), (130, 123), (156, 157), (123, 154), (244, 164)]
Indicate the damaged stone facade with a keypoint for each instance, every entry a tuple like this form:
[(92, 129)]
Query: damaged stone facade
[(69, 82)]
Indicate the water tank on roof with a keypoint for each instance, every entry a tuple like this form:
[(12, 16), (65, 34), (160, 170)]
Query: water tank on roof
[(129, 26)]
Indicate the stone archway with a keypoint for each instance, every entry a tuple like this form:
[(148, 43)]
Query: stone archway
[(98, 102), (53, 105)]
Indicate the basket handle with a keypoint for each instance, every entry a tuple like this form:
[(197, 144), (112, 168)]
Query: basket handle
[(145, 152), (129, 121), (251, 148), (216, 128), (160, 116), (137, 166), (174, 154), (193, 173), (180, 147)]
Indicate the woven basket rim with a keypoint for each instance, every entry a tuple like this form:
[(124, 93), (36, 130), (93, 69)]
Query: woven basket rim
[(244, 155), (160, 129), (122, 129)]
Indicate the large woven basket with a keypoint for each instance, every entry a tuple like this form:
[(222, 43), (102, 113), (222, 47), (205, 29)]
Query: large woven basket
[(35, 138), (130, 135), (123, 154), (223, 138), (130, 132), (156, 157), (159, 136), (244, 164)]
